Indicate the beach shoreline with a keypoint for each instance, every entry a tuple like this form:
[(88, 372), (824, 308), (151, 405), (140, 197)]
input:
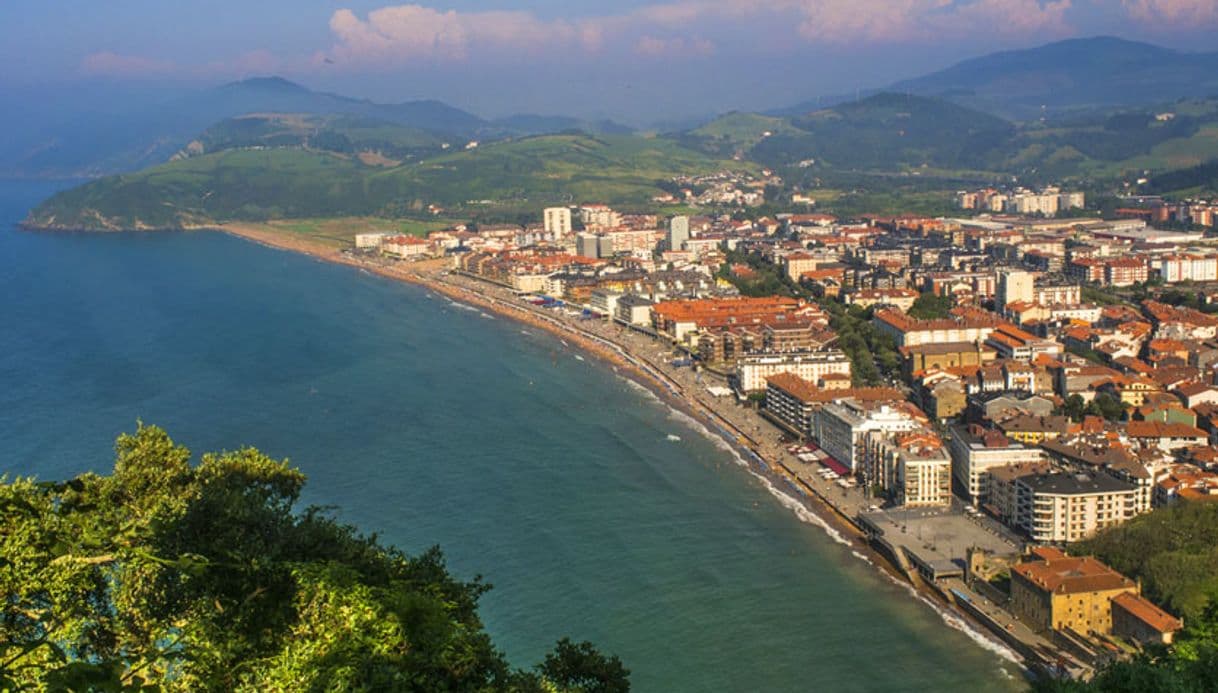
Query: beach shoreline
[(781, 480)]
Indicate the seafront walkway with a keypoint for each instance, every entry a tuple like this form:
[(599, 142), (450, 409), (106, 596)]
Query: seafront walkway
[(649, 358), (742, 425), (760, 441)]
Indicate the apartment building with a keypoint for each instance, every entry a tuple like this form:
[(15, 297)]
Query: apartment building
[(557, 221), (909, 332), (841, 428), (1066, 507), (752, 370), (912, 466), (976, 450)]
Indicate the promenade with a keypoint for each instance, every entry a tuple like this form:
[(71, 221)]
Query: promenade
[(760, 442), (940, 536)]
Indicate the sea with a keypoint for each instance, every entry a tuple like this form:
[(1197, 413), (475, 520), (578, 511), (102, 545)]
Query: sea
[(596, 512)]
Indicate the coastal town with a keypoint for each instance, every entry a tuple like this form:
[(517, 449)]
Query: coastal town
[(969, 397)]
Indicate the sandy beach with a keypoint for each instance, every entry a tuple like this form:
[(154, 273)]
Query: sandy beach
[(754, 439)]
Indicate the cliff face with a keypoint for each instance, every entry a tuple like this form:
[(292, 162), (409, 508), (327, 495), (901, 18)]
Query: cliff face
[(53, 216)]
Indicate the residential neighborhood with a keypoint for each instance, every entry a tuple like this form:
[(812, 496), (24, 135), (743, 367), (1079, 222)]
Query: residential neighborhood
[(1019, 372)]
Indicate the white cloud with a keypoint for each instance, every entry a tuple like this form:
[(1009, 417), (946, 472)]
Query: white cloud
[(413, 33), (1181, 13)]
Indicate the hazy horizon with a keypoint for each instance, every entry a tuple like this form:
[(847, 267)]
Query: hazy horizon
[(640, 62)]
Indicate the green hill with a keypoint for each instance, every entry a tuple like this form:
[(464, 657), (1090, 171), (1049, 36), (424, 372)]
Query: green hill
[(356, 135), (277, 183), (1086, 73), (146, 134), (888, 131), (935, 138), (734, 134)]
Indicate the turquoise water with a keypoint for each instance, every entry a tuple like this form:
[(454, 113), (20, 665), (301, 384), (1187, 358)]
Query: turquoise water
[(431, 423)]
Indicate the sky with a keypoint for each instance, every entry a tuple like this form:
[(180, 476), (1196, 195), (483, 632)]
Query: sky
[(628, 59)]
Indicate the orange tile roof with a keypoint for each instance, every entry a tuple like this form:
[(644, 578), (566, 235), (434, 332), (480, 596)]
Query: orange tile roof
[(699, 310), (794, 385), (1072, 575), (1159, 429), (1141, 609)]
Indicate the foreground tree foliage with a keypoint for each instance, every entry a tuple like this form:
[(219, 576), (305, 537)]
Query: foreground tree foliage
[(168, 575)]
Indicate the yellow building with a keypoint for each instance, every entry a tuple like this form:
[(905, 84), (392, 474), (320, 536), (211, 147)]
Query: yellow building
[(1053, 591), (1059, 592), (1032, 430)]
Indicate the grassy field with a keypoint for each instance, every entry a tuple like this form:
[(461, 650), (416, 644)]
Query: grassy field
[(340, 232), (1173, 154)]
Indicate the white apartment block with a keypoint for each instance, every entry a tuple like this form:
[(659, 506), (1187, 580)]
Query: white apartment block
[(1067, 507), (914, 467), (369, 240), (974, 452), (557, 220), (1181, 268), (753, 370), (841, 429)]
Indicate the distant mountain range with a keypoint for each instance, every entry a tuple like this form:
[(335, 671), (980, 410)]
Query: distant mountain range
[(268, 148), (1072, 75), (1067, 76), (902, 133), (1078, 76), (148, 135)]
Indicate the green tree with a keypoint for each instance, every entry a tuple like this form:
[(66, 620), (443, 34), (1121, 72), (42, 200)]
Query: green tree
[(1107, 406), (928, 306), (580, 667), (1074, 407), (169, 575)]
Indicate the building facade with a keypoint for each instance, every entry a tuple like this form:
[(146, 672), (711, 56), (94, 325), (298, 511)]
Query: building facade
[(975, 451), (753, 370)]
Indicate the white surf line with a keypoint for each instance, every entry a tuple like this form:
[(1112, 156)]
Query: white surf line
[(949, 616)]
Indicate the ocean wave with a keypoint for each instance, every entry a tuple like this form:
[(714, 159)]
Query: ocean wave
[(957, 622), (785, 499), (463, 306), (950, 618)]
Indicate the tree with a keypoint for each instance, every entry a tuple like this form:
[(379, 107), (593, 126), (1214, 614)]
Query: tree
[(928, 306), (1107, 406), (1074, 407), (203, 577), (579, 667)]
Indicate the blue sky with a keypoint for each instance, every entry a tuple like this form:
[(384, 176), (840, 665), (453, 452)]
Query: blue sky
[(625, 58)]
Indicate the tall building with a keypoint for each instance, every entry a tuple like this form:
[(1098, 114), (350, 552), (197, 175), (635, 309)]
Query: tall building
[(912, 466), (557, 220), (1013, 286), (678, 232), (976, 450), (1063, 507), (841, 429), (753, 370), (587, 245)]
